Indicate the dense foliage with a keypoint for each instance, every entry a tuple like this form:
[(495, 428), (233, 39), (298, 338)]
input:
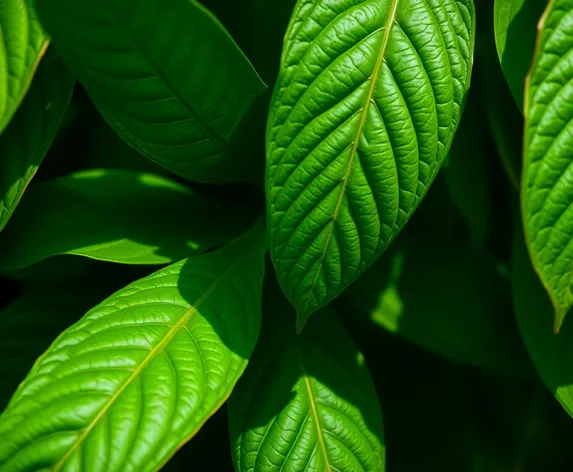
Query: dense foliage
[(390, 292)]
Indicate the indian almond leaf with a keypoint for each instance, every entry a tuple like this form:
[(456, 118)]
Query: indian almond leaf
[(551, 353), (140, 373), (120, 216), (166, 76), (515, 32), (24, 43), (29, 135), (306, 402), (368, 99), (547, 180)]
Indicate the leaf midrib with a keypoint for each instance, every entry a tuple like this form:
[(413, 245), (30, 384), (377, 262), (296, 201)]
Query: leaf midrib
[(148, 359), (354, 150)]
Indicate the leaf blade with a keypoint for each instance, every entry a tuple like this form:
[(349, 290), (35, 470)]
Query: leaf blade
[(332, 132), (185, 351), (175, 97)]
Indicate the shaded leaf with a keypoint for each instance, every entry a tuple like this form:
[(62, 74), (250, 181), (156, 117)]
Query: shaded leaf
[(118, 216), (140, 373), (306, 402), (24, 44), (165, 75), (32, 130), (547, 185), (368, 99)]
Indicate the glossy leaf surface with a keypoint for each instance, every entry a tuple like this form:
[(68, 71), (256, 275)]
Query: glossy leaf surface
[(547, 183), (118, 216), (32, 130), (368, 99), (306, 403), (140, 373), (24, 44), (515, 27), (166, 76)]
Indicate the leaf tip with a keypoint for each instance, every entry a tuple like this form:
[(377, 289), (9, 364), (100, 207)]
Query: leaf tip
[(560, 313), (301, 319)]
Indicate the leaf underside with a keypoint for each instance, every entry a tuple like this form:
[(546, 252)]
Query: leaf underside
[(547, 186), (368, 100), (306, 403), (24, 44), (140, 373), (170, 93), (32, 130)]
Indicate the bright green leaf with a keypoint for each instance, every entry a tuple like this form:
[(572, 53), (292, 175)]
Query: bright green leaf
[(166, 76), (32, 130), (551, 353), (24, 43), (368, 99), (445, 297), (515, 28), (140, 373), (118, 216), (547, 185), (306, 402)]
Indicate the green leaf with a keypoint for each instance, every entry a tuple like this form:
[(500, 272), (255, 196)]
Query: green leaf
[(368, 99), (140, 373), (32, 130), (306, 402), (551, 353), (165, 75), (117, 216), (24, 45), (446, 298), (547, 185), (515, 29)]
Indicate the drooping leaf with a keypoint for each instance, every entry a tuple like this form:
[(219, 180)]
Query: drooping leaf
[(306, 402), (445, 297), (24, 44), (166, 76), (515, 29), (368, 99), (140, 373), (32, 130), (118, 216), (547, 182), (551, 353)]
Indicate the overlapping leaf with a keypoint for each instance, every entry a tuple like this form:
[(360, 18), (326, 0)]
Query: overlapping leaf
[(368, 99), (32, 130), (140, 373), (306, 402), (547, 185), (165, 74), (24, 44), (118, 216)]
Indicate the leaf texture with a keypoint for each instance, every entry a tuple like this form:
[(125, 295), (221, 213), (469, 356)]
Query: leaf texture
[(306, 403), (165, 75), (515, 32), (32, 130), (121, 216), (23, 44), (547, 182), (140, 373), (368, 99)]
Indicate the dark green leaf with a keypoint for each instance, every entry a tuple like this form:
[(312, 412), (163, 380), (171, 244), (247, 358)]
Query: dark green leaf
[(32, 130), (140, 373), (166, 76), (547, 186), (306, 402), (118, 216), (24, 43), (368, 99)]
